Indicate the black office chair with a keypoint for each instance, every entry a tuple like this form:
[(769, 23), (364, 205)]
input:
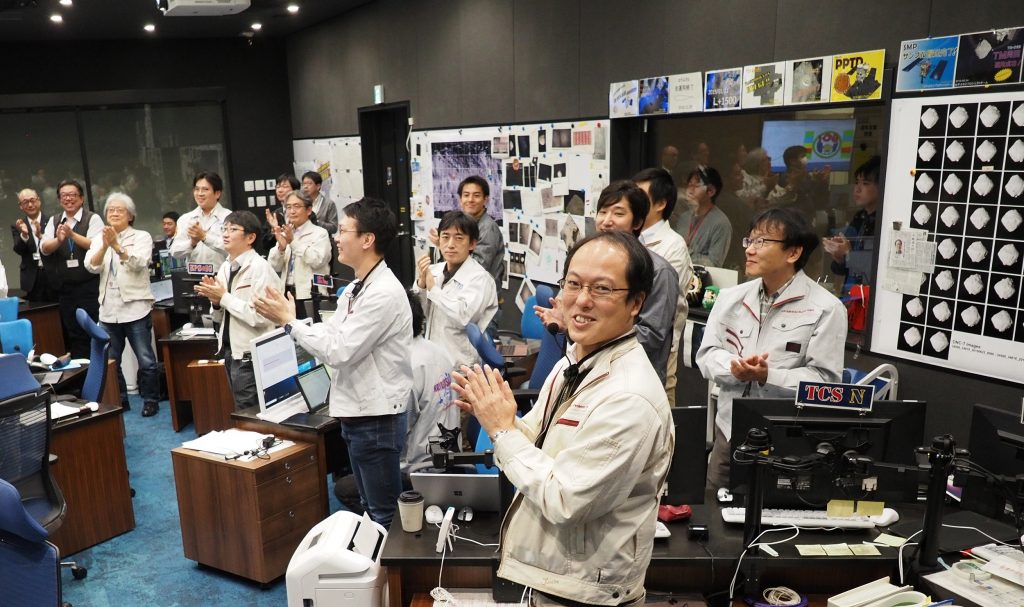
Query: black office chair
[(25, 448), (29, 564)]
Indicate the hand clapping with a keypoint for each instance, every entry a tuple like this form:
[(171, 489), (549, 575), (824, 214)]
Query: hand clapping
[(484, 394)]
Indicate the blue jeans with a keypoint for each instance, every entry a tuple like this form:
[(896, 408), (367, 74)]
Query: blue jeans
[(374, 449), (138, 333)]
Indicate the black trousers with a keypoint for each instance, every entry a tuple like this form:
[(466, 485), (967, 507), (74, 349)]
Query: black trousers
[(72, 296)]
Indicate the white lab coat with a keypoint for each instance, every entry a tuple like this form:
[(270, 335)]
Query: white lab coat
[(210, 250), (312, 249), (469, 297)]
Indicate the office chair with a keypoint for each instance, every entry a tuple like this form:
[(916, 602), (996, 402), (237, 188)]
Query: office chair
[(29, 564), (16, 337), (96, 376), (8, 309)]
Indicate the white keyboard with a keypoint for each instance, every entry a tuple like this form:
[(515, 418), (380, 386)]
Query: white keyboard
[(812, 518)]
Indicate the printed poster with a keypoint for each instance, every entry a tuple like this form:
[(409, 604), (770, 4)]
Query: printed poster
[(927, 64), (623, 100), (991, 57), (686, 93), (763, 85), (653, 94), (857, 76), (723, 90), (807, 81)]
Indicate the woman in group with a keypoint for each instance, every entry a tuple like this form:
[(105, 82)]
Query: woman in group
[(121, 257)]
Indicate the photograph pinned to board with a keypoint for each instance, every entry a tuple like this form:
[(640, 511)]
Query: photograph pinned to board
[(723, 90), (992, 57), (808, 81), (421, 208), (514, 173), (926, 64), (549, 202), (512, 199), (523, 146), (582, 138), (512, 151), (526, 291), (517, 264), (560, 180), (524, 233), (561, 138), (570, 232), (544, 173), (623, 99), (542, 141), (453, 161), (499, 146), (535, 242), (532, 202), (686, 93), (530, 174), (575, 203), (653, 93), (600, 142), (551, 226), (857, 76), (763, 85)]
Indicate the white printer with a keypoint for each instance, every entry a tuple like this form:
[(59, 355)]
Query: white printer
[(338, 564)]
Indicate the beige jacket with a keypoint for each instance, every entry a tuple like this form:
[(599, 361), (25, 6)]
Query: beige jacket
[(312, 249), (133, 273)]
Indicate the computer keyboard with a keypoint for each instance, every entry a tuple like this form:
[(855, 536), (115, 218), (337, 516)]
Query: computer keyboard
[(812, 518)]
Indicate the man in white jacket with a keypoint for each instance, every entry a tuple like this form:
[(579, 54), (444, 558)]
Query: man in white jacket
[(457, 291), (589, 461), (303, 249)]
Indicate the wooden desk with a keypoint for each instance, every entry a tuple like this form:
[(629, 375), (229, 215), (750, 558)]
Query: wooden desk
[(247, 518), (92, 473), (47, 330), (212, 401), (330, 448), (178, 352)]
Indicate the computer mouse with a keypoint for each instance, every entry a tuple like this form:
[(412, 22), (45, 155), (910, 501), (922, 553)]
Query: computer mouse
[(47, 359), (187, 325), (466, 514), (434, 514)]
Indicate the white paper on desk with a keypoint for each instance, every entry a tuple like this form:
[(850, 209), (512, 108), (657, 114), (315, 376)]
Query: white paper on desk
[(366, 538), (59, 410), (193, 331), (226, 442), (474, 598), (993, 591)]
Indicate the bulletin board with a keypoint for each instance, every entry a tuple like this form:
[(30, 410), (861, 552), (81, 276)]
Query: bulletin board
[(339, 160), (543, 178), (950, 272)]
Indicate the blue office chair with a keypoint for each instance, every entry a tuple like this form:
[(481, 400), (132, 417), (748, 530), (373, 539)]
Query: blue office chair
[(16, 337), (8, 309), (29, 564), (96, 376)]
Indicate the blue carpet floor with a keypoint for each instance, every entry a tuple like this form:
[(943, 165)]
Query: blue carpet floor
[(147, 565)]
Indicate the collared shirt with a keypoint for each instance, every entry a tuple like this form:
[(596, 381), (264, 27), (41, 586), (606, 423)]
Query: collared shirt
[(125, 294), (309, 253), (768, 300), (209, 250), (469, 297), (94, 228), (366, 342), (252, 279)]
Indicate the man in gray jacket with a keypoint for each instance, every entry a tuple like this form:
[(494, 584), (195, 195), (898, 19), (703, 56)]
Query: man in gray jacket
[(590, 463)]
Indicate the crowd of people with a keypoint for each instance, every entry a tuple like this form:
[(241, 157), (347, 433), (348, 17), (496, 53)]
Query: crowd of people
[(593, 456)]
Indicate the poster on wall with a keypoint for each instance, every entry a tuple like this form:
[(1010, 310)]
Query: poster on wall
[(453, 161), (763, 85), (992, 57), (857, 76), (808, 81), (954, 190), (653, 94), (723, 90), (623, 100), (686, 93), (927, 64)]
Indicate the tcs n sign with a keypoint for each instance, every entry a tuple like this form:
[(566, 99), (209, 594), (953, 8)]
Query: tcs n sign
[(835, 396)]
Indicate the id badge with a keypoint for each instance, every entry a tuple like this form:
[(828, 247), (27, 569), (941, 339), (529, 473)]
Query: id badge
[(72, 263), (36, 257)]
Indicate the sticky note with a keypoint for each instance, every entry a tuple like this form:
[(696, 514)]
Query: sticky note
[(890, 540), (811, 550), (864, 550), (855, 508), (837, 550)]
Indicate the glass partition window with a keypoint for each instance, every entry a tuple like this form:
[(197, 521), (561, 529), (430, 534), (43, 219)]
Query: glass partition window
[(806, 160)]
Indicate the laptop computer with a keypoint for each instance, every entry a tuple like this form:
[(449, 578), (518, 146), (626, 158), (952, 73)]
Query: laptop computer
[(478, 491), (315, 386)]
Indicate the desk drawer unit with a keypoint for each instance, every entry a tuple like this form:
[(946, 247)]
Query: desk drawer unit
[(247, 518)]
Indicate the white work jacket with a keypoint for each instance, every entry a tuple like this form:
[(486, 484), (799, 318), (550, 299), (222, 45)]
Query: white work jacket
[(252, 279), (311, 247), (210, 250), (469, 297)]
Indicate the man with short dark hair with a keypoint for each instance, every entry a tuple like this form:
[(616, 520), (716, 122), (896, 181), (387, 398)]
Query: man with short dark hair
[(366, 342), (27, 234), (169, 224), (325, 210), (198, 236), (767, 335), (589, 467), (302, 250), (65, 242), (456, 291), (707, 230)]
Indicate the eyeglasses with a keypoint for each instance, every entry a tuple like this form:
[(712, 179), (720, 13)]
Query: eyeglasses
[(234, 229), (758, 242), (294, 207), (28, 201), (572, 287), (350, 231), (70, 195)]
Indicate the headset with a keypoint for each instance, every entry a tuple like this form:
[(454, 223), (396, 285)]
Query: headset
[(261, 452)]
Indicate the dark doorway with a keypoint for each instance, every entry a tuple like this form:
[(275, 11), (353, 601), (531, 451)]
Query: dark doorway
[(384, 131)]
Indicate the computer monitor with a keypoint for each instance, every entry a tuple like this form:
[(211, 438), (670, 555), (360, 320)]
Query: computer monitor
[(277, 361), (688, 472), (997, 445), (889, 434), (183, 287), (316, 387)]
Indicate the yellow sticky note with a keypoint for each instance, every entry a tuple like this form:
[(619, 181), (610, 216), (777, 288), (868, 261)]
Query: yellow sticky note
[(837, 550), (810, 550), (855, 508), (840, 508), (890, 540), (864, 550)]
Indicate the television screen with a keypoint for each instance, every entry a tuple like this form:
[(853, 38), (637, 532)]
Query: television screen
[(828, 142)]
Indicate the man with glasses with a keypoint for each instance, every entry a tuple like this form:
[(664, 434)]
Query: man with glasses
[(768, 334), (706, 228), (198, 237), (302, 250), (27, 234), (367, 344), (66, 240), (589, 467)]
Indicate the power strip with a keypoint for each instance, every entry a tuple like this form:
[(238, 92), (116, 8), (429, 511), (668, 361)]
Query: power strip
[(446, 527)]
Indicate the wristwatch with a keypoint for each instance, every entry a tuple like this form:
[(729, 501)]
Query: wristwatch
[(288, 328), (499, 434)]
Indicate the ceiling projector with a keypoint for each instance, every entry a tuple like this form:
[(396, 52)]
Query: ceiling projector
[(201, 8)]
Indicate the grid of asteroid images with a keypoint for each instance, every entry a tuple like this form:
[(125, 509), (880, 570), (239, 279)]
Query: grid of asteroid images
[(968, 193)]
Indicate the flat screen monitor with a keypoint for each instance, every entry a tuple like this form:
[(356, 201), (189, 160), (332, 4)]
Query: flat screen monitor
[(828, 142), (997, 445), (688, 472), (277, 362), (888, 434), (316, 387), (182, 286)]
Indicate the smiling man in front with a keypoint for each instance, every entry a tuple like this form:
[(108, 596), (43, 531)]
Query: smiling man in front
[(590, 462), (766, 335)]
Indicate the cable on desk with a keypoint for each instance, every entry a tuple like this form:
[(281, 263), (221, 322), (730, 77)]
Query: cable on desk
[(755, 544), (983, 533), (899, 553), (780, 595)]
